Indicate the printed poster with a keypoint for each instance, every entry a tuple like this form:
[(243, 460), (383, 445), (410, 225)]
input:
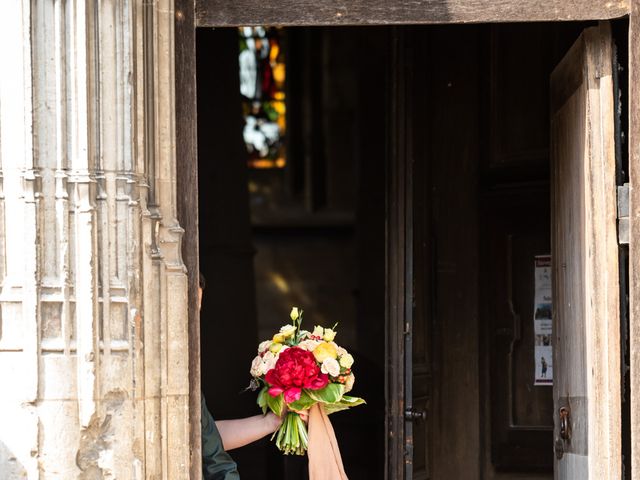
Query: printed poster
[(542, 321)]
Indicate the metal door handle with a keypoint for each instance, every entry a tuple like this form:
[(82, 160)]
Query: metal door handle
[(411, 414), (564, 415), (565, 423)]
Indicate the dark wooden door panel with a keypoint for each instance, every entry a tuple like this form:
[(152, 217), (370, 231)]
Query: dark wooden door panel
[(515, 228)]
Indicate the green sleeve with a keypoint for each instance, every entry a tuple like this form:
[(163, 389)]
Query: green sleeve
[(216, 463)]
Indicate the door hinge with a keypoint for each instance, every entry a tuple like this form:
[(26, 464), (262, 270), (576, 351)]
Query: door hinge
[(623, 214)]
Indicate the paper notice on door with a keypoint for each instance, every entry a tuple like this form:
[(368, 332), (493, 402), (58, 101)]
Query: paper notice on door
[(542, 322)]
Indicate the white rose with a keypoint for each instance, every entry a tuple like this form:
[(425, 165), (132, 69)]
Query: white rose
[(348, 384), (309, 345), (341, 351), (346, 361), (287, 330), (331, 366), (256, 367), (264, 346)]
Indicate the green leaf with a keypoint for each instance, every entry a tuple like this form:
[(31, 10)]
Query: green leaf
[(305, 401), (262, 399), (276, 404), (345, 403), (353, 400), (329, 394)]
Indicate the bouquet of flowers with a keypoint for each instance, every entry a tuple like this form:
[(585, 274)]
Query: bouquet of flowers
[(296, 370)]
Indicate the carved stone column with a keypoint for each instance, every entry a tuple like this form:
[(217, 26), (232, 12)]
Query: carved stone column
[(93, 293)]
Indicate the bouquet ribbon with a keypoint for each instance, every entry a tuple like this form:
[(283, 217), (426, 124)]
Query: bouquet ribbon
[(325, 462)]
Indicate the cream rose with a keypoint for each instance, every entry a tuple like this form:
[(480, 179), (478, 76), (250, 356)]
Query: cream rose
[(287, 330), (348, 384), (309, 345), (264, 346), (268, 361), (318, 331), (256, 367), (346, 361), (331, 366)]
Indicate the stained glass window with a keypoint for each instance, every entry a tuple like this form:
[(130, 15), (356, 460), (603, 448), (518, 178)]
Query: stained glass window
[(262, 80)]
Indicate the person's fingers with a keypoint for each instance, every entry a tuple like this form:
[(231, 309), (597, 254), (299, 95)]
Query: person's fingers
[(304, 414)]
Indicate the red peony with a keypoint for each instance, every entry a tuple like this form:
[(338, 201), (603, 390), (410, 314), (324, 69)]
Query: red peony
[(295, 369)]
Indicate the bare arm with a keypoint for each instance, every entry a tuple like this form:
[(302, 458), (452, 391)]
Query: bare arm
[(242, 431)]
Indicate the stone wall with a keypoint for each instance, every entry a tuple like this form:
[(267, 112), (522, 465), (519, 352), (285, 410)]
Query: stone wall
[(93, 326)]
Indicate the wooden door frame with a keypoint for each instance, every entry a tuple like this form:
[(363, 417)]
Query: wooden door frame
[(190, 14), (634, 218), (187, 199)]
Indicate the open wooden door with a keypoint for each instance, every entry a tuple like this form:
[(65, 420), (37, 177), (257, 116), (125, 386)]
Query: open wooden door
[(586, 305)]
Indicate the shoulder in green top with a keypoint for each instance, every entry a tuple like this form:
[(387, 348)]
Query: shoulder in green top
[(216, 463)]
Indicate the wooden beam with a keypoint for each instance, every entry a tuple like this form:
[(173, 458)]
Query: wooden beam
[(218, 13), (187, 189), (634, 236)]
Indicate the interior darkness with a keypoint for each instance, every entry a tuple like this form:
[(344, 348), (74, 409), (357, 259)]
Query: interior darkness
[(476, 122), (311, 235)]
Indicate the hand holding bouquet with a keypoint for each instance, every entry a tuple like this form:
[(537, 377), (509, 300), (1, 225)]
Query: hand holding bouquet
[(298, 369)]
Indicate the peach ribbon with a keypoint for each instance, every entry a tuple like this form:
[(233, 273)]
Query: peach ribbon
[(325, 462)]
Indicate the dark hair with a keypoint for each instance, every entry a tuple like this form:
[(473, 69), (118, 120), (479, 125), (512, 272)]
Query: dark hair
[(202, 281)]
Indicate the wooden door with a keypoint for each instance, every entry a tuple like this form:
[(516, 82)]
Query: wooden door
[(418, 411), (408, 244), (586, 360)]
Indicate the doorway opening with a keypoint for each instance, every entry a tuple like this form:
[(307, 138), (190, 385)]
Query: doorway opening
[(305, 224), (292, 201)]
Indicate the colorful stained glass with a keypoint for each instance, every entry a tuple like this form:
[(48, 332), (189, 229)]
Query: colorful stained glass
[(262, 81)]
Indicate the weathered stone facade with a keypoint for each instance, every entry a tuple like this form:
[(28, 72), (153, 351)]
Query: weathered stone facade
[(93, 325)]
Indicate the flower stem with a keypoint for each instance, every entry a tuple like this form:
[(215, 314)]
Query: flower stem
[(292, 437)]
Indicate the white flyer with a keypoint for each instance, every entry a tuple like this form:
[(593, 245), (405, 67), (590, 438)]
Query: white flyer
[(542, 321)]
